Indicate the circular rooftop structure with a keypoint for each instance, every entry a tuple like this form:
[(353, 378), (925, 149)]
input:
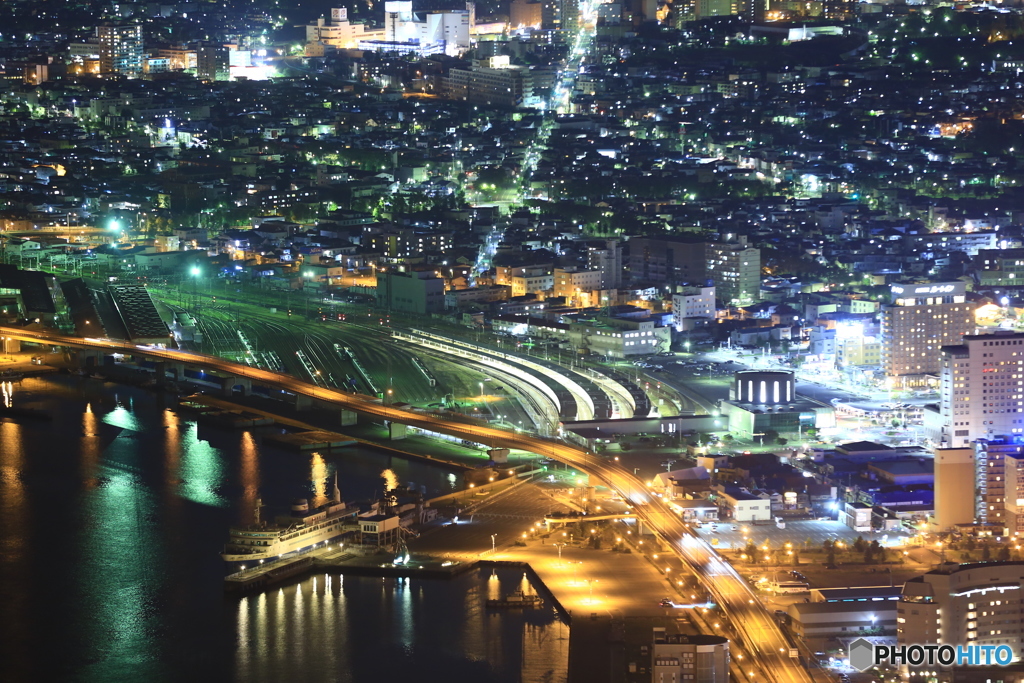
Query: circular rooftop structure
[(765, 387)]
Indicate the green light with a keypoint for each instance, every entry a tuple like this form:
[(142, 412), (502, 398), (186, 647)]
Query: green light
[(195, 270), (114, 225)]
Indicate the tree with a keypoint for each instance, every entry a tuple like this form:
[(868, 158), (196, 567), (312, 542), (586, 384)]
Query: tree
[(750, 550), (781, 441), (830, 556), (770, 435), (874, 553), (860, 544), (969, 544), (1004, 553), (986, 553), (811, 432)]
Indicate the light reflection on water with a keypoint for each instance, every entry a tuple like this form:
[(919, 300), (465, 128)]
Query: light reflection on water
[(109, 538), (401, 631), (318, 477), (202, 470), (249, 476)]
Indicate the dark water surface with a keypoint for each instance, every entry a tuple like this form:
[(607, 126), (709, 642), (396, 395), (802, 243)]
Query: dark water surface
[(112, 516)]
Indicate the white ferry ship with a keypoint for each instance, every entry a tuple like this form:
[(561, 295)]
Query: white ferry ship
[(304, 529)]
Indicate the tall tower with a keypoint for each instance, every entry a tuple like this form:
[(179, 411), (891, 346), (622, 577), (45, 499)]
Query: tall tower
[(120, 49)]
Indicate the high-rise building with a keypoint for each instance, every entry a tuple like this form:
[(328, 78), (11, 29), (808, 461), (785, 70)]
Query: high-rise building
[(560, 15), (961, 604), (524, 13), (837, 10), (981, 390), (955, 488), (606, 258), (922, 319), (734, 267), (120, 49), (212, 62), (736, 270), (998, 467)]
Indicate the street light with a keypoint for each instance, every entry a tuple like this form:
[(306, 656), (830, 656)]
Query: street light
[(559, 546), (493, 537)]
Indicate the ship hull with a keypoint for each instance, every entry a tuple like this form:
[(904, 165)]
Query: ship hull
[(280, 549)]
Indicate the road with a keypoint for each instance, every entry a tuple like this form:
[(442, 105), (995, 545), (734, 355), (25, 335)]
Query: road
[(748, 616)]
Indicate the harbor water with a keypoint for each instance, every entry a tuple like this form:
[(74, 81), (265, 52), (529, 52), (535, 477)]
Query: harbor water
[(112, 515)]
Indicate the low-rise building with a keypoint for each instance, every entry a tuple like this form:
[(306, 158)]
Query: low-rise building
[(742, 506), (419, 292), (832, 619), (689, 658)]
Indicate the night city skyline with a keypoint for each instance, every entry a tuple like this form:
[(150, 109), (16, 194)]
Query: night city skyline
[(568, 341)]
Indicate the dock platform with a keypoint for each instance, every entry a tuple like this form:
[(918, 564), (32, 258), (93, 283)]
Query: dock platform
[(337, 559), (318, 440)]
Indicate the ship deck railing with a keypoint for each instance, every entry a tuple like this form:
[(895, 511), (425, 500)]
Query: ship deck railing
[(267, 566)]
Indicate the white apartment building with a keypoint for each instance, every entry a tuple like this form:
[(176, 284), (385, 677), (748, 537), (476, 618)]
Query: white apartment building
[(982, 388), (692, 302), (922, 319)]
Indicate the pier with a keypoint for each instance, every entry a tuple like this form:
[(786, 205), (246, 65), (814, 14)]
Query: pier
[(335, 558)]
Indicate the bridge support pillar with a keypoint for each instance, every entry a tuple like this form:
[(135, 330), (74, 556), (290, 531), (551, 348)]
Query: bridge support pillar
[(228, 384), (160, 372), (303, 403), (348, 418), (396, 431), (178, 371), (88, 358)]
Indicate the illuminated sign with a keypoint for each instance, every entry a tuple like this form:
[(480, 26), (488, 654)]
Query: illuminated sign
[(921, 290)]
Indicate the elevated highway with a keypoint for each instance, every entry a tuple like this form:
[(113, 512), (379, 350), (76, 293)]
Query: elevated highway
[(759, 633)]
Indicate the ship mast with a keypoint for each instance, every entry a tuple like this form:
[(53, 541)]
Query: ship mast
[(256, 512)]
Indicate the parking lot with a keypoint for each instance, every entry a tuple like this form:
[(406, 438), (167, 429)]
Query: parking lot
[(818, 531)]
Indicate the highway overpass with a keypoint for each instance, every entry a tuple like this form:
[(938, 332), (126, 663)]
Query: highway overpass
[(761, 637)]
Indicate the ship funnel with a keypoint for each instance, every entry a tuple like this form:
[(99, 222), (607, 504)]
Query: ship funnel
[(336, 493), (300, 505)]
